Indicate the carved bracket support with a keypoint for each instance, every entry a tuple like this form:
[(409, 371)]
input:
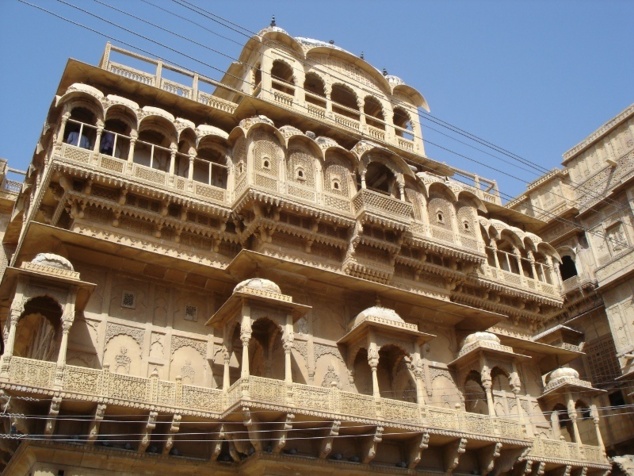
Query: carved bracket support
[(452, 452), (174, 428), (487, 457), (53, 411), (253, 427), (147, 432), (326, 444), (369, 451), (280, 435), (96, 421), (421, 443)]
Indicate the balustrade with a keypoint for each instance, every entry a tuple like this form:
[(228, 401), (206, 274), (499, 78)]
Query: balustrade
[(93, 384)]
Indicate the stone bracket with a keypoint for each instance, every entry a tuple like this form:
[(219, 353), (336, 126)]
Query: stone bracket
[(420, 444), (147, 432), (487, 457), (174, 428), (452, 452), (369, 450), (253, 427), (53, 411), (280, 435), (326, 444), (96, 421)]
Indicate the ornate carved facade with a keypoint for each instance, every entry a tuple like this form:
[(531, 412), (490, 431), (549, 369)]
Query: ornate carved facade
[(274, 278), (586, 211)]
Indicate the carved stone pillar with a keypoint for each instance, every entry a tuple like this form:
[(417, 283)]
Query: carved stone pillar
[(287, 343), (245, 337), (595, 419), (62, 128), (531, 259), (190, 170), (494, 249), (133, 139), (487, 384), (98, 136), (572, 414), (225, 371), (554, 424), (61, 357), (14, 317), (518, 256), (172, 159), (373, 361)]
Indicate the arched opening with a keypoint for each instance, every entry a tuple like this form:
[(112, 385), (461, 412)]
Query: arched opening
[(362, 373), (565, 424), (394, 378), (344, 102), (380, 178), (403, 124), (39, 330), (152, 150), (315, 90), (542, 268), (506, 255), (374, 113), (282, 77), (266, 354), (115, 139), (80, 128), (475, 396), (567, 268), (210, 168), (585, 423), (257, 77)]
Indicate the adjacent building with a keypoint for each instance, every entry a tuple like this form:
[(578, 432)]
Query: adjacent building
[(586, 212), (267, 275)]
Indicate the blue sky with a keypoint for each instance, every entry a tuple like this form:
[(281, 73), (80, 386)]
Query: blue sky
[(533, 77)]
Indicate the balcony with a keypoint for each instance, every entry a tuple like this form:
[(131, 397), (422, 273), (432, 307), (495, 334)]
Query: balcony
[(382, 209), (521, 283), (34, 377), (143, 174)]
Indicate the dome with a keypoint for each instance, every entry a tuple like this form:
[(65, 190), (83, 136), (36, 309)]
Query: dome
[(380, 312), (563, 372), (52, 260), (272, 29), (260, 284), (394, 80), (479, 337)]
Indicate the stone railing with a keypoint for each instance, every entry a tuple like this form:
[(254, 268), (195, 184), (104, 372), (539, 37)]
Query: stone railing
[(155, 78), (150, 176), (91, 384), (520, 282), (564, 450), (385, 206), (81, 383)]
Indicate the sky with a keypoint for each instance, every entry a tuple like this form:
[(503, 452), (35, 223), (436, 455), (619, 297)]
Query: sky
[(531, 77)]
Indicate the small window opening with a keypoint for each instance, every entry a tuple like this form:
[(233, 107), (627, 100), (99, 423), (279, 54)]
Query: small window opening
[(266, 164), (440, 217), (191, 313), (335, 185), (300, 174), (466, 226), (128, 300), (567, 268)]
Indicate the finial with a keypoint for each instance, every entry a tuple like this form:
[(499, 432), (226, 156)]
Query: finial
[(384, 72), (361, 56), (273, 20), (332, 42)]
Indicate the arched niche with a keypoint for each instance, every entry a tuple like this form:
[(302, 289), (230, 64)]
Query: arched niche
[(123, 355), (475, 395), (39, 329), (190, 366)]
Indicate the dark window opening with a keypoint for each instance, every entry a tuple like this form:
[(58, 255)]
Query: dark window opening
[(567, 268)]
